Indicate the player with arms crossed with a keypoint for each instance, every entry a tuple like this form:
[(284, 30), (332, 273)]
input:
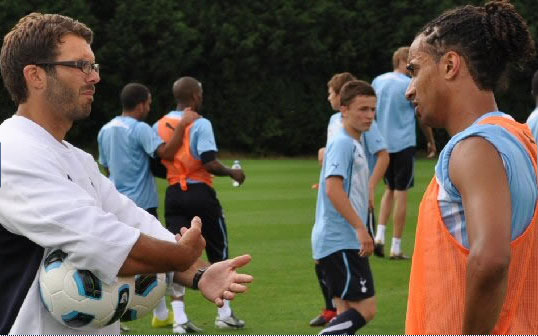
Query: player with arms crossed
[(340, 240), (475, 263)]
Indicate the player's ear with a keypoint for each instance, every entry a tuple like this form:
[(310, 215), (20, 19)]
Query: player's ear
[(451, 63), (344, 110), (35, 76), (139, 108)]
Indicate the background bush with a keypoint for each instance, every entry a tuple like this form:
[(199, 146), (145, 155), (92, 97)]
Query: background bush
[(264, 65)]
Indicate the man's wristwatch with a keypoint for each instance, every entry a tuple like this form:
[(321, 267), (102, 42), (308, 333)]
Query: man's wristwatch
[(197, 277)]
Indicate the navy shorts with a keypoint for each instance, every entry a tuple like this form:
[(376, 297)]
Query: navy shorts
[(348, 275), (199, 200), (400, 174)]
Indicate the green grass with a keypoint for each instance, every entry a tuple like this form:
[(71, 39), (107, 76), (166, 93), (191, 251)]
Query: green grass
[(271, 218)]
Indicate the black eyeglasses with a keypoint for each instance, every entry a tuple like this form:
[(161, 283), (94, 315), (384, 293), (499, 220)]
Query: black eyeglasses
[(85, 66)]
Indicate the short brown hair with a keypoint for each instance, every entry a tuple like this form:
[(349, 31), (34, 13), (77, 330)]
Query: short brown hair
[(34, 39), (355, 88), (338, 80), (400, 55)]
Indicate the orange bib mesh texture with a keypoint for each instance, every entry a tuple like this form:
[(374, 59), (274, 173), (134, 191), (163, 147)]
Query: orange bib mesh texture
[(437, 283)]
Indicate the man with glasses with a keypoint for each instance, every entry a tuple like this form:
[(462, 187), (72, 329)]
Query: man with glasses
[(85, 66), (54, 197)]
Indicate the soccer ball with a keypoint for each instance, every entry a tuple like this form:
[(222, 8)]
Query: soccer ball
[(78, 299), (148, 291)]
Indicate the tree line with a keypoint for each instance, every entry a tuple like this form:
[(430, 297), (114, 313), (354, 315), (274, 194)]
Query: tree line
[(263, 65)]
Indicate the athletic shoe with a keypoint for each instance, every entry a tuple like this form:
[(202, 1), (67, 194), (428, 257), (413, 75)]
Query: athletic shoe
[(231, 322), (398, 256), (124, 328), (322, 319), (186, 328), (379, 250), (156, 323)]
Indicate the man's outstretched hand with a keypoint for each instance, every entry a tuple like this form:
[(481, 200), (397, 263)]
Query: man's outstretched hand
[(191, 242), (221, 281)]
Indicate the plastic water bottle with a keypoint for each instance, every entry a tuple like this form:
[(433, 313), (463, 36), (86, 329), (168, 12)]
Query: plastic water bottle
[(236, 165)]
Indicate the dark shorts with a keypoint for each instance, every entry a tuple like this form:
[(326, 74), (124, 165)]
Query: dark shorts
[(400, 174), (199, 200), (347, 275)]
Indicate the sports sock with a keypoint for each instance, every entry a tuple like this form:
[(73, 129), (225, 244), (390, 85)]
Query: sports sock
[(225, 311), (396, 246), (328, 300), (161, 311), (346, 323), (179, 311), (380, 235)]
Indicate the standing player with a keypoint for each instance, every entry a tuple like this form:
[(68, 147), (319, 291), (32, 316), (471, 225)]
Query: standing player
[(532, 121), (378, 160), (475, 263), (126, 145), (340, 239), (372, 141), (396, 120), (54, 197), (191, 192)]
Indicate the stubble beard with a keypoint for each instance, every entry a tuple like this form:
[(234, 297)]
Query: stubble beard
[(64, 100)]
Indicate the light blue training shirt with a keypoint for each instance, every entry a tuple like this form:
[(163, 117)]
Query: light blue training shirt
[(344, 157), (519, 171), (202, 138), (125, 146), (372, 141), (395, 114), (532, 122)]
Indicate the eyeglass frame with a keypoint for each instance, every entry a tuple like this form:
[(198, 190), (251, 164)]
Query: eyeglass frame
[(81, 64)]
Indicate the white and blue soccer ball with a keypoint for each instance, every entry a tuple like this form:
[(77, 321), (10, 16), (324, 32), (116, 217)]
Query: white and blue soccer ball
[(148, 291), (78, 299)]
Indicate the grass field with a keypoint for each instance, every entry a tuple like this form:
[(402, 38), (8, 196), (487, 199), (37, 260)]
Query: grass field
[(271, 218)]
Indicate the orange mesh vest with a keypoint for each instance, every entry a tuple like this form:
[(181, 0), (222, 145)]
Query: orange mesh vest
[(185, 165), (437, 284)]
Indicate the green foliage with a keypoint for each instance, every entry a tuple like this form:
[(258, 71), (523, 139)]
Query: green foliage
[(264, 64)]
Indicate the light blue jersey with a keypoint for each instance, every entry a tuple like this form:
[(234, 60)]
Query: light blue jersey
[(332, 232), (519, 170), (125, 145), (202, 138), (372, 141), (334, 127), (532, 121), (395, 114)]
